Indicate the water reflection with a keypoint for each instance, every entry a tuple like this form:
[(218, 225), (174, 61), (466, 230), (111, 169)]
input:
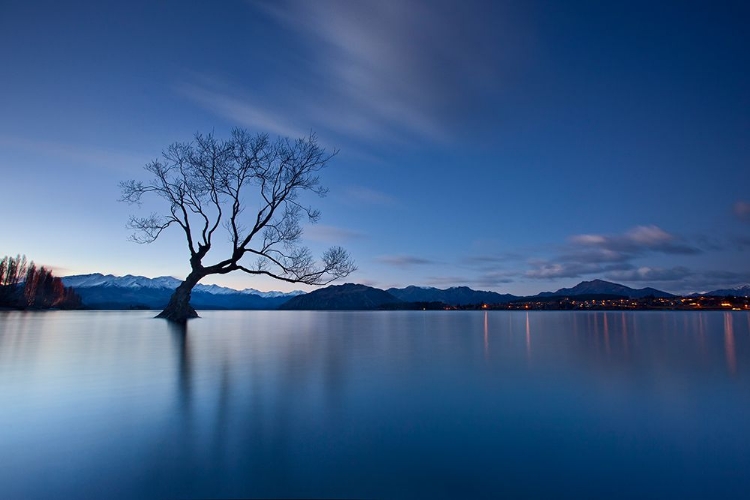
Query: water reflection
[(606, 335), (701, 334), (182, 350), (624, 334), (376, 405), (528, 338), (729, 343), (486, 335)]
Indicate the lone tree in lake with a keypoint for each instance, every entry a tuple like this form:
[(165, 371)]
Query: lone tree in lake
[(249, 185)]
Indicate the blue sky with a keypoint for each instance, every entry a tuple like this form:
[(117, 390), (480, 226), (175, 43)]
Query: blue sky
[(508, 146)]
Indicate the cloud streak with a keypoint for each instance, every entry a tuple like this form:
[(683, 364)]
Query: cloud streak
[(552, 270), (359, 195), (636, 241), (682, 280), (651, 274), (403, 261), (489, 280), (322, 233), (116, 161), (237, 108), (613, 255), (378, 70)]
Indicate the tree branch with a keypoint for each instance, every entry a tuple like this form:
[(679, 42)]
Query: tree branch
[(203, 180)]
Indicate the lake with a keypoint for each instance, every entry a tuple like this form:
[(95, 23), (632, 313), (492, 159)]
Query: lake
[(450, 404)]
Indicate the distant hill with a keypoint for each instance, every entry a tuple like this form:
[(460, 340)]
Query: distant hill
[(740, 291), (169, 282), (98, 291), (601, 287), (579, 297), (349, 296), (455, 296)]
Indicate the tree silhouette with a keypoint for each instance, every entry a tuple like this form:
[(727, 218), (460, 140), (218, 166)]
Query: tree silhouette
[(209, 183), (23, 286), (12, 271)]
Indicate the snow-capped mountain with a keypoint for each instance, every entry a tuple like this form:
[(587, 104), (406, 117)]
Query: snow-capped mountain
[(738, 291), (100, 291), (161, 282), (129, 281)]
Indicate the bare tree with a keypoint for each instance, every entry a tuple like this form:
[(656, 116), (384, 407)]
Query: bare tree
[(12, 272), (210, 184)]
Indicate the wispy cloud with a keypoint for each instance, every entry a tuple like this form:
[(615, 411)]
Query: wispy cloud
[(89, 156), (240, 109), (494, 279), (403, 260), (493, 259), (446, 281), (682, 280), (638, 240), (617, 257), (651, 274), (491, 280), (620, 257), (375, 70), (609, 254), (677, 279), (359, 195), (713, 279), (552, 270), (491, 271), (330, 234)]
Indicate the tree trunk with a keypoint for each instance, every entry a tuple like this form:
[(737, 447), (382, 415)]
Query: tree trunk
[(179, 309)]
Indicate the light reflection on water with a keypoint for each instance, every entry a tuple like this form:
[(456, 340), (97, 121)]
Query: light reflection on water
[(376, 405)]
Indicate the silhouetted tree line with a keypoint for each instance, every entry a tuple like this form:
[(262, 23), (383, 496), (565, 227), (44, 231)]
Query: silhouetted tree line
[(24, 286)]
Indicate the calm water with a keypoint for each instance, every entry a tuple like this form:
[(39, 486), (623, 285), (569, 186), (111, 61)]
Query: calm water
[(375, 405)]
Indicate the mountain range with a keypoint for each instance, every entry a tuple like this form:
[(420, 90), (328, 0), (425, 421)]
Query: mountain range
[(351, 296), (740, 291), (109, 280), (100, 291), (455, 296)]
